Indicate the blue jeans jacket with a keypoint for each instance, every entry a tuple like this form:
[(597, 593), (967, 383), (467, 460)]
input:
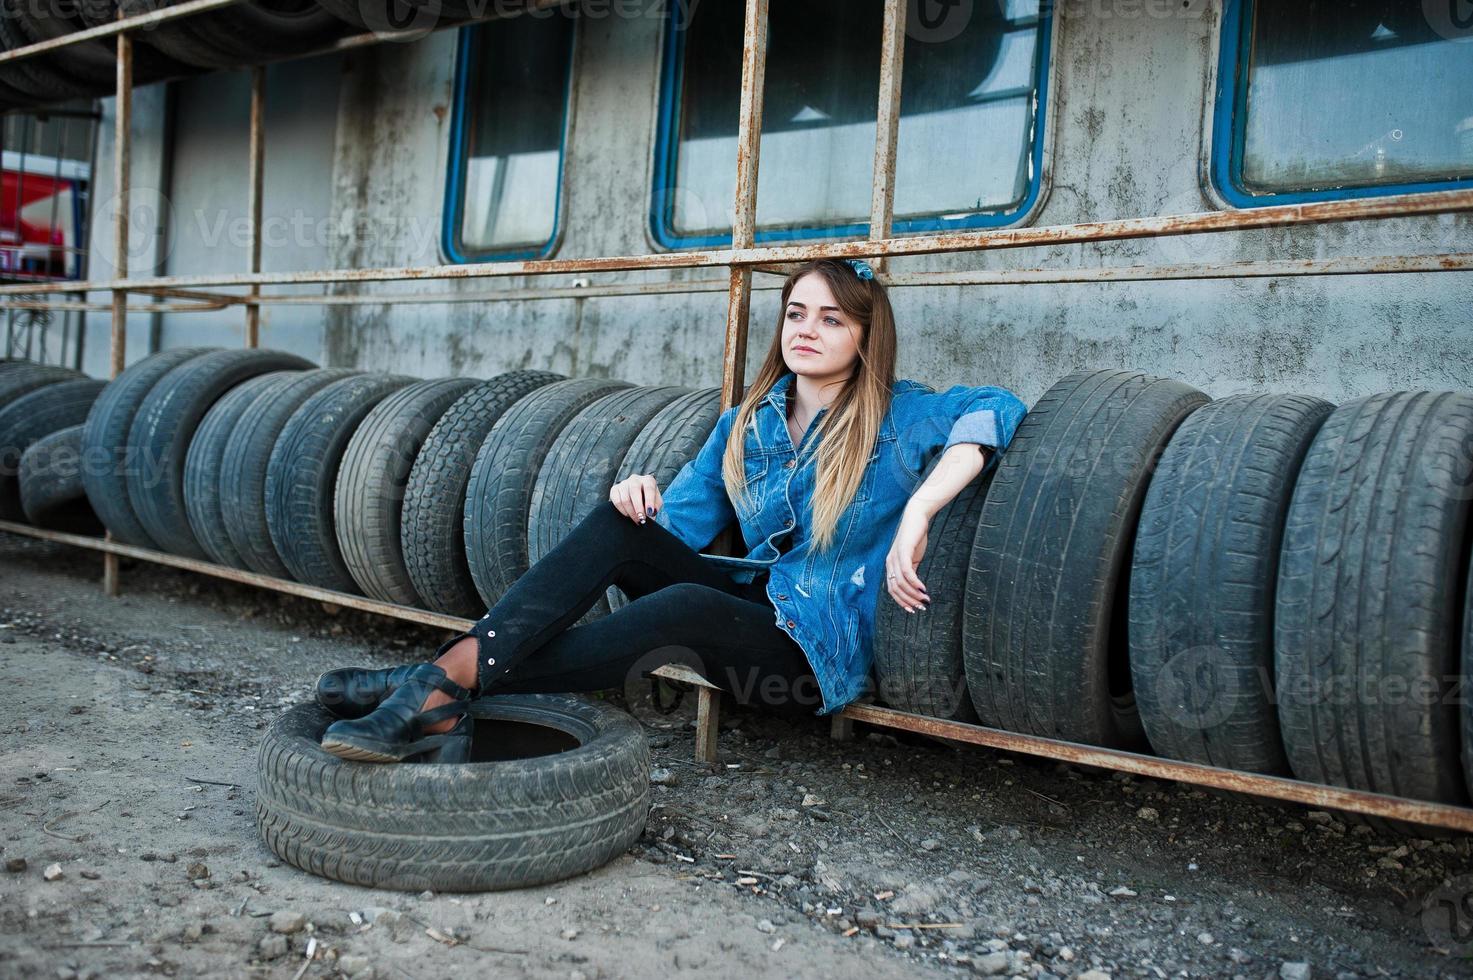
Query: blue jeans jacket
[(826, 601)]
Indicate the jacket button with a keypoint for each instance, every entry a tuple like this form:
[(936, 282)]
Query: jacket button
[(788, 522), (791, 624), (790, 464), (783, 596)]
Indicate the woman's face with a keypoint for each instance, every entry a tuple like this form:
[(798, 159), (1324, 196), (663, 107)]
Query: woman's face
[(820, 341)]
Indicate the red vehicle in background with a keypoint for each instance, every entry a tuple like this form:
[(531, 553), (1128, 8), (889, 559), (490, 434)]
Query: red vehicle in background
[(40, 224)]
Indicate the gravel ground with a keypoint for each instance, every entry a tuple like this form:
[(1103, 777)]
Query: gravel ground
[(128, 735)]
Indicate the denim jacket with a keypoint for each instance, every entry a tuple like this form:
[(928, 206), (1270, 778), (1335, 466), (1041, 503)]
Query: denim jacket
[(826, 600)]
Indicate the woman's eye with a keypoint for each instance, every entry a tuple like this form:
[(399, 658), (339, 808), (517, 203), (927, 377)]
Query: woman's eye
[(831, 321), (793, 314)]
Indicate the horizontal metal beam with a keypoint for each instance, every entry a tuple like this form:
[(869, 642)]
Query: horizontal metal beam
[(1273, 787), (1394, 206), (1346, 266), (151, 19), (421, 616)]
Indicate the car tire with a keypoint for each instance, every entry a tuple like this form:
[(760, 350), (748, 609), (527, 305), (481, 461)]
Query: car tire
[(369, 493), (105, 447), (513, 820), (583, 463), (204, 464), (165, 424), (432, 529), (1045, 642), (499, 495), (1369, 597), (34, 416), (51, 492), (302, 472), (666, 443), (1202, 580)]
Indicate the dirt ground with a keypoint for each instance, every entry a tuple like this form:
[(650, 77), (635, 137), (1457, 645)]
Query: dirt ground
[(128, 731)]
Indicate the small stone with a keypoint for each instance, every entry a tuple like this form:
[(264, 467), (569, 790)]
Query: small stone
[(192, 932), (1148, 813), (867, 918), (52, 872), (903, 941), (91, 875), (810, 800), (569, 933), (1298, 970), (272, 947), (991, 964), (930, 844), (15, 865), (1121, 892), (352, 965), (765, 925), (1205, 938), (197, 871), (664, 777), (287, 923)]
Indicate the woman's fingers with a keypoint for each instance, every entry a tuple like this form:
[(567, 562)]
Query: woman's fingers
[(619, 497), (898, 583)]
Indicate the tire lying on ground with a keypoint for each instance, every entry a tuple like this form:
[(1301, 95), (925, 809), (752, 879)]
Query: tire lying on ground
[(499, 495), (1369, 597), (204, 463), (302, 472), (34, 416), (583, 463), (432, 532), (51, 492), (245, 459), (564, 789), (369, 493), (666, 443), (1045, 640), (165, 424), (918, 657), (105, 446), (1203, 576)]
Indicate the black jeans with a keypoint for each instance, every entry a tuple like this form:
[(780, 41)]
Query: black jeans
[(683, 610)]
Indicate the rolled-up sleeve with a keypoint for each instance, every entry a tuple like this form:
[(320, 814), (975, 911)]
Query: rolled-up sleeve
[(931, 422), (696, 506)]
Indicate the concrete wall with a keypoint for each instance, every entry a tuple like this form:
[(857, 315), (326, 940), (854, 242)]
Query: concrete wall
[(360, 141)]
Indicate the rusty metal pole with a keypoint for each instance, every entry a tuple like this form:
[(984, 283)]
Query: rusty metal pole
[(122, 152), (887, 126), (253, 201), (744, 219)]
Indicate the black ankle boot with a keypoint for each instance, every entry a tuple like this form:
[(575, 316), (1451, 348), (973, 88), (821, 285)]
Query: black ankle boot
[(456, 749), (352, 692), (394, 730)]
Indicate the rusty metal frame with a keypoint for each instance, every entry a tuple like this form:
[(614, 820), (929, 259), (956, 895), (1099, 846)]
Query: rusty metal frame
[(741, 262)]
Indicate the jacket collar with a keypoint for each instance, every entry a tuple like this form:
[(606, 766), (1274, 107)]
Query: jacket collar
[(777, 397)]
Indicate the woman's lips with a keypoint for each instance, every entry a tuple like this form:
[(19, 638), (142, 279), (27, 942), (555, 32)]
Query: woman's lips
[(804, 350)]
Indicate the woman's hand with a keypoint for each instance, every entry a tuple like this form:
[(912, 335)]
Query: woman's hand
[(636, 497), (905, 555)]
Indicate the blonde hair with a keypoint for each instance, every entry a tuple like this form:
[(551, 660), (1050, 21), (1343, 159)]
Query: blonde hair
[(849, 430)]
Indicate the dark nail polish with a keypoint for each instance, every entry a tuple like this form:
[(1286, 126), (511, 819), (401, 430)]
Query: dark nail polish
[(650, 511)]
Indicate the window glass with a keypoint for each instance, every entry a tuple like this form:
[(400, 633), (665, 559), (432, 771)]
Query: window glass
[(967, 128), (513, 92), (1352, 94)]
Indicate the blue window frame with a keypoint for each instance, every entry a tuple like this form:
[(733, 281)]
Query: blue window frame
[(1320, 101), (508, 136), (970, 152)]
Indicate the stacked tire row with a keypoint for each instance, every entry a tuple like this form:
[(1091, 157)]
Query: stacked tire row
[(346, 480), (241, 34), (1268, 583)]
